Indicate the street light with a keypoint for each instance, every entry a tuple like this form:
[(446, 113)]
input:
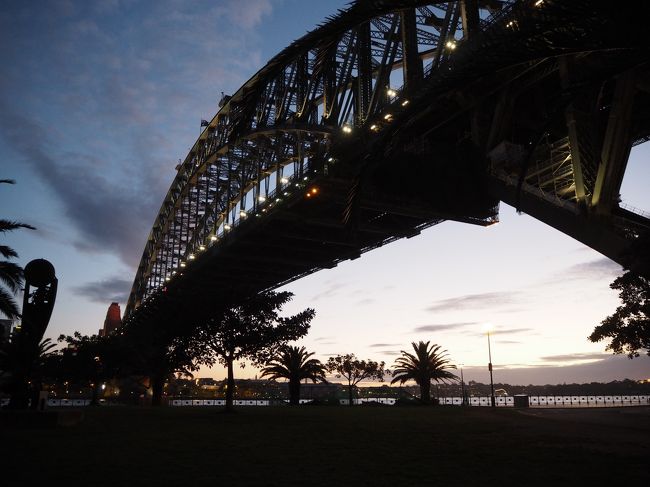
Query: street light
[(462, 386), (487, 327)]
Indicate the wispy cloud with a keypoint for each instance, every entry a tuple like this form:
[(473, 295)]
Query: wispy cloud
[(511, 331), (595, 269), (382, 345), (442, 327), (324, 339), (389, 352), (574, 357), (602, 268), (476, 301), (107, 215), (109, 290), (100, 99), (329, 291)]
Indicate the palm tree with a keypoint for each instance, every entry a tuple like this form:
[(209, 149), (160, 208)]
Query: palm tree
[(293, 363), (22, 370), (11, 275), (429, 363)]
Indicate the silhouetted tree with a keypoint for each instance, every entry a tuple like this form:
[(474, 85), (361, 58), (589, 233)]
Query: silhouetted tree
[(629, 326), (252, 331), (427, 364), (294, 364), (20, 378), (11, 275), (354, 370), (161, 348), (94, 360)]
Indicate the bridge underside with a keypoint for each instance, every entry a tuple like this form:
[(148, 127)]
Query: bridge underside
[(538, 107)]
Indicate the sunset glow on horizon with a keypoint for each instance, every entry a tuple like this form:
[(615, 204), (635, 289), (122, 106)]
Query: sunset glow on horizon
[(100, 101)]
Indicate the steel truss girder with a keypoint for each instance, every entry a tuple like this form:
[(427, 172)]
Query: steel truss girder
[(337, 76)]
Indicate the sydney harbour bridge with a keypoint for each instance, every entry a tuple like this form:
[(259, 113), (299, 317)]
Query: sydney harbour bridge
[(396, 115)]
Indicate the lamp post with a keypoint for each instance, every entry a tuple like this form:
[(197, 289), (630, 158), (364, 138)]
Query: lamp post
[(462, 386), (488, 327)]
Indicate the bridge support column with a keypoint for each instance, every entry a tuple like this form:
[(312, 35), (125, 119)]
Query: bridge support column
[(571, 116), (364, 74), (470, 17), (412, 64), (616, 146)]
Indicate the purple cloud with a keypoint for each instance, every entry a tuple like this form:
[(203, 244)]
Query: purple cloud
[(476, 301), (106, 291)]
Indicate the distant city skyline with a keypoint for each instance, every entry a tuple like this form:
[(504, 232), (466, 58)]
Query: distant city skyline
[(98, 102)]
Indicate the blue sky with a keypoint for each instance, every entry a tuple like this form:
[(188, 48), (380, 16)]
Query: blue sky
[(99, 100)]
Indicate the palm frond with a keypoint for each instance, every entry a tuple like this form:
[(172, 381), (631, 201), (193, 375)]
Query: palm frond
[(293, 363), (7, 252), (8, 226), (11, 275), (8, 305)]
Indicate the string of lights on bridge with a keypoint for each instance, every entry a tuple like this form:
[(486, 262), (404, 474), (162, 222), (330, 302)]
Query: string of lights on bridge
[(393, 94)]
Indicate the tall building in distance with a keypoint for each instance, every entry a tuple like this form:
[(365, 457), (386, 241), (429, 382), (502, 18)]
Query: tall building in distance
[(113, 320)]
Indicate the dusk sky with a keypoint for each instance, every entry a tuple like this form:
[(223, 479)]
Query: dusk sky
[(98, 102)]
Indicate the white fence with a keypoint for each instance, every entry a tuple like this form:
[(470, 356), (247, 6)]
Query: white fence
[(554, 401), (55, 403), (502, 401)]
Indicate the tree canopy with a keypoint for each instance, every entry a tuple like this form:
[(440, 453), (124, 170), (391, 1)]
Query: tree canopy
[(427, 364), (94, 359), (294, 364), (252, 330), (11, 275), (628, 327), (162, 348), (354, 370)]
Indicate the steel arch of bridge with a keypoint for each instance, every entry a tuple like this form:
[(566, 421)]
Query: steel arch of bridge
[(387, 80)]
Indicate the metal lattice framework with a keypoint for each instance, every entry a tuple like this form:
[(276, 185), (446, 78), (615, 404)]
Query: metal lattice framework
[(404, 113)]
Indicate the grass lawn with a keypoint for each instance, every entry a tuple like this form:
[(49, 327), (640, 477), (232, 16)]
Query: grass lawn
[(328, 446)]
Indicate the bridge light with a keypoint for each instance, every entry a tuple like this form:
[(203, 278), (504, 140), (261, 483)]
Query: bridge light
[(182, 264), (388, 117), (391, 92), (201, 247), (286, 193), (374, 127), (512, 24), (451, 45), (261, 199), (227, 227), (331, 159), (243, 214), (191, 256), (347, 129), (405, 102), (284, 180), (213, 238), (539, 3), (304, 179)]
